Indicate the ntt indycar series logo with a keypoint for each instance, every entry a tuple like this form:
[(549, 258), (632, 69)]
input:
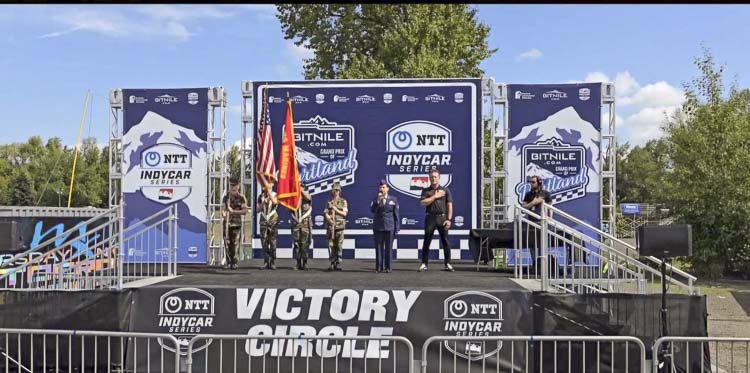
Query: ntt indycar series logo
[(561, 166), (166, 172), (414, 148), (184, 313), (325, 153), (473, 314)]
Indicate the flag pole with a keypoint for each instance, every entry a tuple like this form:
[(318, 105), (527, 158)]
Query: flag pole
[(75, 151)]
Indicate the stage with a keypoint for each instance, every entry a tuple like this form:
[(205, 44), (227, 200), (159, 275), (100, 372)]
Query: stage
[(355, 302), (356, 274)]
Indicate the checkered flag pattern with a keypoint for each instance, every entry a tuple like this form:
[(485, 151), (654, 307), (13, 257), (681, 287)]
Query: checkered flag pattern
[(327, 185), (571, 194)]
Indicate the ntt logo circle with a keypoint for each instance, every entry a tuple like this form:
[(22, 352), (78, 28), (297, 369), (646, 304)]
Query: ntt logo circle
[(152, 159), (458, 308), (173, 304), (402, 140)]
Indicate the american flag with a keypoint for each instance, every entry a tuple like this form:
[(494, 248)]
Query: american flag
[(266, 167)]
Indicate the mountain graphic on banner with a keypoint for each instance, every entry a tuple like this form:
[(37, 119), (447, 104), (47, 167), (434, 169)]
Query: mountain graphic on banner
[(565, 125), (533, 169), (305, 158), (155, 129)]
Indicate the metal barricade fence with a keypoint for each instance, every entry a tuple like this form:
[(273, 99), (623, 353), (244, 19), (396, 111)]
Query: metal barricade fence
[(38, 350), (30, 350), (258, 353), (534, 354), (701, 354)]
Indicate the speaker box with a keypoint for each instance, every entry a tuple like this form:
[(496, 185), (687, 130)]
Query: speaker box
[(665, 241), (9, 236)]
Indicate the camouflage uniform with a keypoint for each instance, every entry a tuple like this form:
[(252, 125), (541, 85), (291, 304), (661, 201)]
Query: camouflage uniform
[(302, 231), (335, 233), (235, 225), (269, 229)]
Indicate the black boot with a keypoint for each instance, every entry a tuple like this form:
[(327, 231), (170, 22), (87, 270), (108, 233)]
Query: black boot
[(272, 264), (304, 265)]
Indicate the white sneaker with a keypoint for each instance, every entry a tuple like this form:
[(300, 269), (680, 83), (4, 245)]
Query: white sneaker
[(422, 267), (449, 268)]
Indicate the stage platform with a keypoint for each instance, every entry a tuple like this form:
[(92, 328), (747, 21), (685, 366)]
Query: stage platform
[(355, 302), (356, 274)]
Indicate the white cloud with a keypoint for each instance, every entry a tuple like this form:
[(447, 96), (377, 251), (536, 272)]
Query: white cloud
[(531, 54), (596, 77), (625, 84), (162, 21), (656, 94), (299, 52), (183, 13), (263, 11), (645, 124), (641, 109)]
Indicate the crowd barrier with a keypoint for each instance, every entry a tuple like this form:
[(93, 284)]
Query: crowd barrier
[(29, 350)]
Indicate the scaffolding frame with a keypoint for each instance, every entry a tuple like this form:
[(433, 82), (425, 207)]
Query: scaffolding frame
[(494, 194), (218, 174), (608, 163), (247, 168), (216, 154)]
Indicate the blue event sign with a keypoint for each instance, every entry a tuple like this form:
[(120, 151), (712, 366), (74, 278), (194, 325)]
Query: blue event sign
[(359, 132), (165, 162)]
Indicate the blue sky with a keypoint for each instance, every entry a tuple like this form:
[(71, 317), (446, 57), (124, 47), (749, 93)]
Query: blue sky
[(51, 54)]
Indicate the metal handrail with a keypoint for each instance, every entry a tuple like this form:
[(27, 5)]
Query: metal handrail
[(168, 208), (539, 338), (601, 245), (628, 274), (598, 231), (61, 247), (52, 240), (93, 333), (235, 337)]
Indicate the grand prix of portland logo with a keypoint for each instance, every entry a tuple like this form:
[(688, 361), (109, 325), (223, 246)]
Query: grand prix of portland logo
[(325, 153), (166, 173), (473, 314), (561, 166), (414, 148)]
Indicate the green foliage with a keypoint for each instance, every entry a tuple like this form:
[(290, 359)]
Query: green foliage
[(642, 172), (710, 152), (21, 190), (233, 159), (38, 174), (351, 41)]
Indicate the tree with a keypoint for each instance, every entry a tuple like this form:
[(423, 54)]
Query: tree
[(233, 160), (642, 172), (709, 145), (22, 192), (363, 41)]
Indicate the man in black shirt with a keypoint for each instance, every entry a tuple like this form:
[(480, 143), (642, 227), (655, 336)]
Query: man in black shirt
[(535, 197), (533, 201), (438, 204)]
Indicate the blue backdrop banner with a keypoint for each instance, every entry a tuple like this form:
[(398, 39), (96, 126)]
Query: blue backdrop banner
[(165, 163), (358, 132), (555, 133)]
